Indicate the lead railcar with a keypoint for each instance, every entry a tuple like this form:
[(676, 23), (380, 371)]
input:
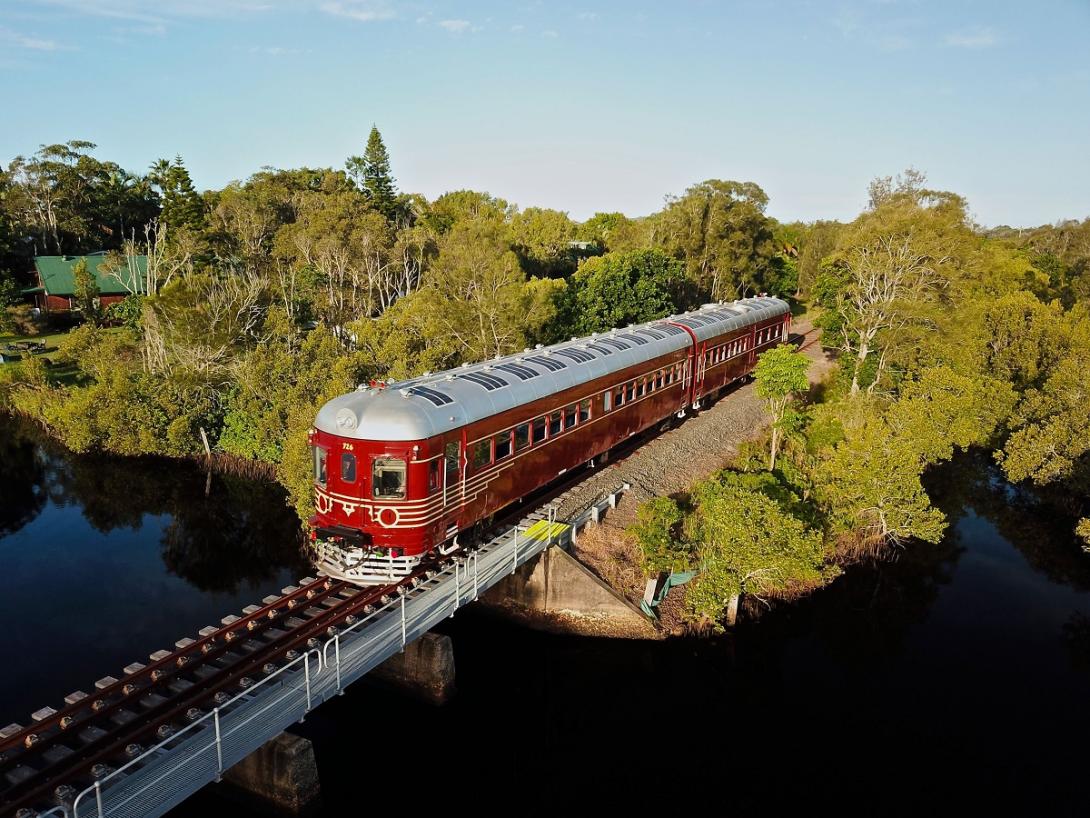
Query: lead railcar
[(405, 469)]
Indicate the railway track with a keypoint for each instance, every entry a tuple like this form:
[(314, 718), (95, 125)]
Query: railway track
[(46, 763)]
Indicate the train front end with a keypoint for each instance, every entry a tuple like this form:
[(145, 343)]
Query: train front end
[(376, 512)]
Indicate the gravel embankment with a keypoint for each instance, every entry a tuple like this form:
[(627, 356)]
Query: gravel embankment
[(671, 462)]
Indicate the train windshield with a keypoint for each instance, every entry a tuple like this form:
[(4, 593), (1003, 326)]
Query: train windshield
[(319, 465), (388, 478)]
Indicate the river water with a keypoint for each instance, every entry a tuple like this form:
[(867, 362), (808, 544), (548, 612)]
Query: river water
[(951, 679)]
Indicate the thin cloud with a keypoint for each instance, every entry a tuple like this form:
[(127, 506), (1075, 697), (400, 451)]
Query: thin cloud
[(359, 10), (549, 33), (977, 38), (33, 43), (455, 26), (137, 11), (517, 27)]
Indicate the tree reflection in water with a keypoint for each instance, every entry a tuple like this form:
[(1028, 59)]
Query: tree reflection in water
[(222, 533)]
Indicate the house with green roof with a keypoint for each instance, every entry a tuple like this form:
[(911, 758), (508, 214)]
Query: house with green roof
[(55, 292)]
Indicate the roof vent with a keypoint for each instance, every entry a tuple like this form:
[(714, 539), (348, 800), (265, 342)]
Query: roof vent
[(537, 346)]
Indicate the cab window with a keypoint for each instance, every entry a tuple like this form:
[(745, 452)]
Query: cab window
[(348, 467), (320, 476), (450, 455), (388, 478)]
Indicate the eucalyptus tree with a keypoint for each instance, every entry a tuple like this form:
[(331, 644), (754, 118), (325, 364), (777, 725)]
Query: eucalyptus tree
[(719, 229)]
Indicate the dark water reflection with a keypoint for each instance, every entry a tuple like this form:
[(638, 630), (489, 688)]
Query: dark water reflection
[(104, 560), (952, 680)]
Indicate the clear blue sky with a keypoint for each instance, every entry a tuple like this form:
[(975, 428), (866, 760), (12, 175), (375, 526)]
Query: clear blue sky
[(581, 106)]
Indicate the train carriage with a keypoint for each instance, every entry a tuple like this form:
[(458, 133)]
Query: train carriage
[(403, 469)]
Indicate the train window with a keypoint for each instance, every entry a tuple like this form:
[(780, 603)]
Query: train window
[(433, 475), (658, 379), (584, 409), (451, 457), (639, 388), (618, 398), (522, 436), (569, 416), (630, 390), (554, 424), (319, 465), (348, 467), (482, 453), (607, 401), (388, 478), (503, 445), (538, 430)]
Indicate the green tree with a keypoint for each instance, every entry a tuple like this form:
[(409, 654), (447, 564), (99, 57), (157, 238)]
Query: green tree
[(618, 289), (85, 290), (720, 230), (372, 173), (746, 544), (543, 239), (183, 207), (781, 378), (9, 297), (657, 531), (462, 205), (1052, 426)]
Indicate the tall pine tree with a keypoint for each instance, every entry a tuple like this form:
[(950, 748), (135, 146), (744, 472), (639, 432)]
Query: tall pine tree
[(182, 205), (372, 173)]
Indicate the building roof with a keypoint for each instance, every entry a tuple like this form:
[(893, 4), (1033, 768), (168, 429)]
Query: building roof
[(55, 274), (436, 403)]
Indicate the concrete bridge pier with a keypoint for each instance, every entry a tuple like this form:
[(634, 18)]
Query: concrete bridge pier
[(281, 777)]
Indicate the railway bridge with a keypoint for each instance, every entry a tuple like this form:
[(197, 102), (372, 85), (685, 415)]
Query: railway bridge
[(138, 746)]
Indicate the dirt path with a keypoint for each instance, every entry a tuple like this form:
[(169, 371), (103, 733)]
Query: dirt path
[(670, 463)]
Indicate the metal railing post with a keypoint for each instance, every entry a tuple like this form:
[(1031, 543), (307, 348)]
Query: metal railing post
[(337, 652), (306, 672), (403, 624), (457, 589), (219, 744), (98, 799)]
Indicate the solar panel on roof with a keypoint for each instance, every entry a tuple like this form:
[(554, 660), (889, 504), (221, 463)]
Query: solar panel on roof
[(438, 398), (613, 342), (599, 348), (633, 338), (549, 363), (576, 355), (671, 329), (653, 333), (489, 382), (523, 372)]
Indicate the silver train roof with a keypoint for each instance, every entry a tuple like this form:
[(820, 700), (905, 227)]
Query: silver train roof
[(435, 403)]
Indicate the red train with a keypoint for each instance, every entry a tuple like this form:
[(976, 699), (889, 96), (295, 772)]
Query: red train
[(402, 469)]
